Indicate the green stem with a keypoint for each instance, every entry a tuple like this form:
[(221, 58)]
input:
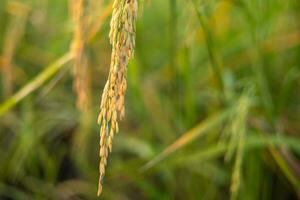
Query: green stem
[(214, 59), (35, 83)]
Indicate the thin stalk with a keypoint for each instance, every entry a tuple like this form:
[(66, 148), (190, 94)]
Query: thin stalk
[(214, 58), (200, 130), (35, 83)]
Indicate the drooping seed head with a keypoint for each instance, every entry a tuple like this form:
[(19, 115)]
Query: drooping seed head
[(112, 109)]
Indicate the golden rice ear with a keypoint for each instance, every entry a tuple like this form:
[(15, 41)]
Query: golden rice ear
[(122, 39)]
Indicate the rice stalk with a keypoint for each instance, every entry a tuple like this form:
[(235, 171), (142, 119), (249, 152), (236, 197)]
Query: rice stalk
[(122, 39), (81, 74), (35, 83)]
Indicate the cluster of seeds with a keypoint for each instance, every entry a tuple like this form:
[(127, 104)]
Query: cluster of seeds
[(122, 39)]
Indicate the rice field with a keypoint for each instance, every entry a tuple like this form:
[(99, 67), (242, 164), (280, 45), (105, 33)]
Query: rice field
[(150, 99)]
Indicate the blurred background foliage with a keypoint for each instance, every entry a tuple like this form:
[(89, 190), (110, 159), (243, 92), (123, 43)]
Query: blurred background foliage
[(212, 106)]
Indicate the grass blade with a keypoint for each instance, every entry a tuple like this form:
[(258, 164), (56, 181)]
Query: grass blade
[(35, 83), (189, 136)]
